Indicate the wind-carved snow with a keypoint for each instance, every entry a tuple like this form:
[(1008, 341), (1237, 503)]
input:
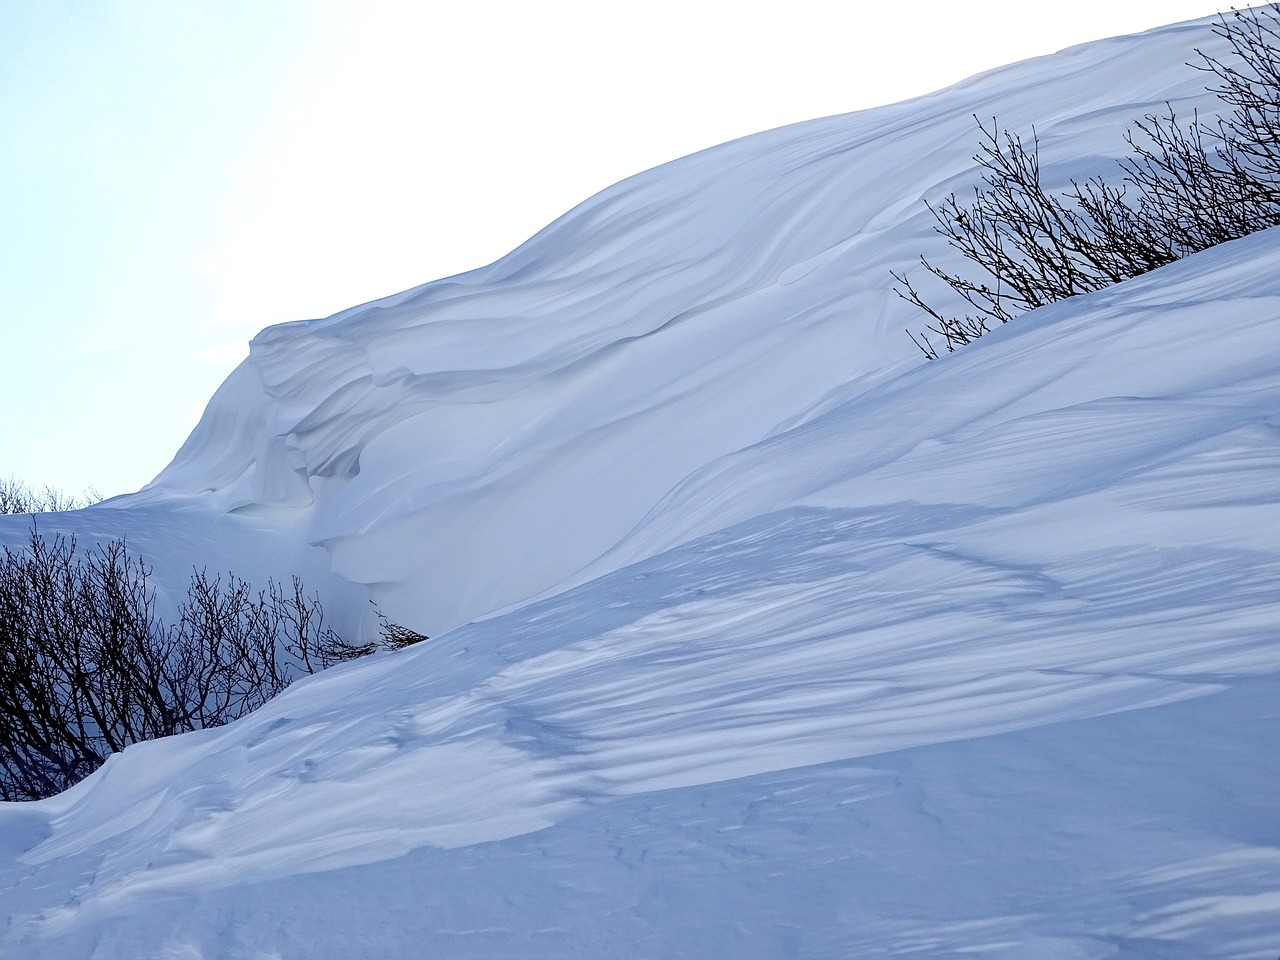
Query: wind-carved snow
[(753, 635)]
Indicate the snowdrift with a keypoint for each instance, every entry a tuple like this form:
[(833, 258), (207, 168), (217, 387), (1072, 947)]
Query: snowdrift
[(754, 634)]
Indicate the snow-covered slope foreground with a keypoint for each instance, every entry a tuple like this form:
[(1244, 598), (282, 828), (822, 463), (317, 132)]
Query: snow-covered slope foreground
[(754, 634)]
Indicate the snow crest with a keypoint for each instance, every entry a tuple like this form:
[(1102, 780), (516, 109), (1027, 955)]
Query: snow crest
[(755, 635)]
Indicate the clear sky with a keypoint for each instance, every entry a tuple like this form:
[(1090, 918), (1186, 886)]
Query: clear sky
[(175, 176)]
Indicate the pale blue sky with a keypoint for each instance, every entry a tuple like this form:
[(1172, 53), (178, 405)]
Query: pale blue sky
[(121, 121), (175, 176)]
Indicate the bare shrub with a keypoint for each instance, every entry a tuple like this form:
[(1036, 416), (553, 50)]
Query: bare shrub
[(87, 667), (395, 636), (1184, 188), (19, 497)]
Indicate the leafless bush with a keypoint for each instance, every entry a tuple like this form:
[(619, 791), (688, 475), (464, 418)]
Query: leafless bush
[(395, 636), (18, 497), (87, 667), (1184, 188), (1249, 82), (1035, 247)]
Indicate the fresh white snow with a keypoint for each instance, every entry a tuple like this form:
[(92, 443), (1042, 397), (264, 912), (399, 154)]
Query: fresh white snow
[(754, 635)]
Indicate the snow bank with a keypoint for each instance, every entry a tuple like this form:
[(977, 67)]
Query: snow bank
[(755, 635)]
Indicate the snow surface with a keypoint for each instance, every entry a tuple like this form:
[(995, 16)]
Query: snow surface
[(753, 634)]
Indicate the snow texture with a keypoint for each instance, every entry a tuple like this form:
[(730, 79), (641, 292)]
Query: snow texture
[(754, 635)]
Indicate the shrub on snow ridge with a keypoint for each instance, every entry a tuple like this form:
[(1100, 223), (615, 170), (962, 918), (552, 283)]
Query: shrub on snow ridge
[(1184, 188), (87, 667)]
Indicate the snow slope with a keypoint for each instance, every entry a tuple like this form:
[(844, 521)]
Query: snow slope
[(754, 635)]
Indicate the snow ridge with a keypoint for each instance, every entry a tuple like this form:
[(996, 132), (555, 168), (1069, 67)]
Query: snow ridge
[(753, 635)]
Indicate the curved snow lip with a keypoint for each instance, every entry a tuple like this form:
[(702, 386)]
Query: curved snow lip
[(523, 418)]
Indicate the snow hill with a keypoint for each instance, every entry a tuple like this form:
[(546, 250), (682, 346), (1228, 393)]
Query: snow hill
[(754, 635)]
